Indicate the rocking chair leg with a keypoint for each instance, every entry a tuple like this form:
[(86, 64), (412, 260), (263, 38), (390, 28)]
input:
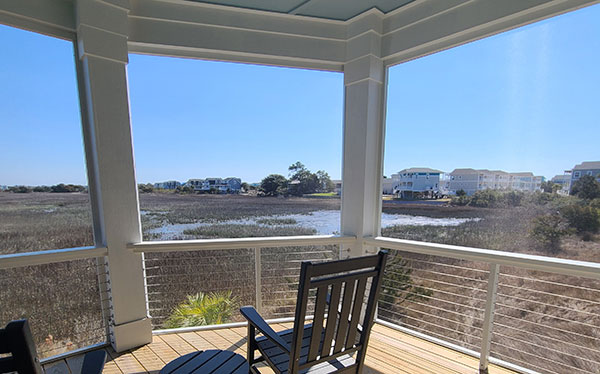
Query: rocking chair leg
[(251, 345)]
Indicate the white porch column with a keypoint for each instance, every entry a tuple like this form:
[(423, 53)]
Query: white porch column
[(365, 84), (102, 28)]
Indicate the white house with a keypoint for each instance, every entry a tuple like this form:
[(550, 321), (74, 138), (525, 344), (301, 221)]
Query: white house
[(472, 180), (219, 185), (408, 181), (168, 185)]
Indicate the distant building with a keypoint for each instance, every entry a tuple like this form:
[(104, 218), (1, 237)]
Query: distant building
[(473, 180), (387, 186), (585, 168), (3, 188), (218, 185), (564, 181), (338, 186), (168, 185), (408, 181)]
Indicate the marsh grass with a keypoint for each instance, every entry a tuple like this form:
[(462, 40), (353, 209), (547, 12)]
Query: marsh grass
[(245, 231), (277, 221), (173, 208), (39, 221)]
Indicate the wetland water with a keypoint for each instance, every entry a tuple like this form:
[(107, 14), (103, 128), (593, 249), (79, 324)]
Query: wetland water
[(325, 222)]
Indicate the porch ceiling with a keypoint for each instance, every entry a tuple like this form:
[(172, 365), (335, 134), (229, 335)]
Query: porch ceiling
[(340, 10)]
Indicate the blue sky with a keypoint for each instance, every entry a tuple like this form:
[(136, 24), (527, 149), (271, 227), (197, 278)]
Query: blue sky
[(525, 100)]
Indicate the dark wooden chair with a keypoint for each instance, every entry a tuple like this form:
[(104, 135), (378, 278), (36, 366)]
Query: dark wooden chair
[(336, 340), (17, 342)]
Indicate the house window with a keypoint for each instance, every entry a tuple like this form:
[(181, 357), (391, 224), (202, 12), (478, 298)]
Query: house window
[(576, 174)]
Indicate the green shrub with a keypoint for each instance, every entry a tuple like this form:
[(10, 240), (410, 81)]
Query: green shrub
[(583, 219), (586, 188), (460, 200), (595, 203), (203, 309), (512, 198), (547, 230), (485, 199), (19, 189)]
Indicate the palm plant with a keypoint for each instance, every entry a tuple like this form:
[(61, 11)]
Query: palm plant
[(203, 309)]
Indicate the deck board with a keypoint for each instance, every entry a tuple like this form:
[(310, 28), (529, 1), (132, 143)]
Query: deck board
[(389, 352)]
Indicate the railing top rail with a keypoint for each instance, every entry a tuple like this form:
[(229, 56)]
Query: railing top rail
[(262, 242), (533, 262), (14, 260)]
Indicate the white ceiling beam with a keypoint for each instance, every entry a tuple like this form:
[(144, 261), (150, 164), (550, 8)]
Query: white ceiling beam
[(196, 30), (238, 18), (415, 31), (54, 18)]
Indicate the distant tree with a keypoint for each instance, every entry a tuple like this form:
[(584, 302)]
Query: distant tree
[(302, 181), (461, 192), (587, 187), (19, 189), (548, 186), (273, 185), (184, 189), (66, 188), (145, 188), (325, 183), (244, 187), (556, 187), (41, 189)]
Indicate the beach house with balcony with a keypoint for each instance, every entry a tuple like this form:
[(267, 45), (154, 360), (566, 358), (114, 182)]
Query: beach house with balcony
[(168, 185), (216, 185), (472, 180), (591, 168), (361, 40), (407, 182)]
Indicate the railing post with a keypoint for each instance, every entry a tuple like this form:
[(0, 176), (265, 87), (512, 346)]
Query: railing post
[(257, 279), (488, 320)]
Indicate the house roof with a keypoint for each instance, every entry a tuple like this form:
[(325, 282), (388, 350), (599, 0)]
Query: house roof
[(587, 165), (420, 170), (340, 10), (523, 174), (465, 171)]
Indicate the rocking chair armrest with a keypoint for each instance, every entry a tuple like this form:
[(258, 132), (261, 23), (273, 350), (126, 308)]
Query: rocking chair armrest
[(259, 323)]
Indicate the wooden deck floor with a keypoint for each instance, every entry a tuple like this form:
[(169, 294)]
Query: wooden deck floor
[(389, 352)]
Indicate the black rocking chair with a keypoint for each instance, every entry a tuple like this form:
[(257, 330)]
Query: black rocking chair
[(336, 340), (16, 340)]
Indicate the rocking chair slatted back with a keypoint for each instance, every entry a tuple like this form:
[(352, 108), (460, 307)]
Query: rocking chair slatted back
[(340, 312)]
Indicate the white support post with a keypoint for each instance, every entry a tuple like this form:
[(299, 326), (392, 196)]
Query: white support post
[(488, 321), (258, 281), (102, 28), (364, 112)]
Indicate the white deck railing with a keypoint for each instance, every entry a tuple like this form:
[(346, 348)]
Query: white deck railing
[(494, 292)]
